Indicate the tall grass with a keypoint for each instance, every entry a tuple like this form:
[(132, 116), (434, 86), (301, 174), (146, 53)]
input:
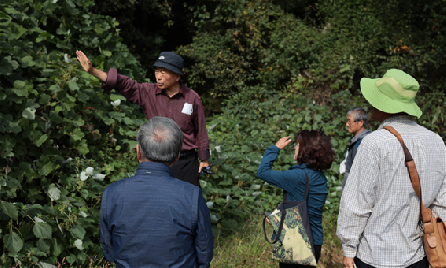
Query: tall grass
[(246, 246)]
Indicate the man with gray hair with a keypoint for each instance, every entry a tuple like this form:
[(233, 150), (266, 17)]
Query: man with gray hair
[(357, 119), (153, 219)]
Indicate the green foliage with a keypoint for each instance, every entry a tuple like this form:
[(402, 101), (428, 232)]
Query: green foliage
[(254, 120), (136, 22), (240, 136), (60, 134), (332, 45)]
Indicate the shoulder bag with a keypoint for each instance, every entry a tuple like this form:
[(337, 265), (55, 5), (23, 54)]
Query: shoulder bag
[(293, 242), (434, 229)]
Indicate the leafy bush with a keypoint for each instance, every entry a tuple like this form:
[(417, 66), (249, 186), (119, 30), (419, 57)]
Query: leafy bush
[(333, 45), (60, 135), (255, 119)]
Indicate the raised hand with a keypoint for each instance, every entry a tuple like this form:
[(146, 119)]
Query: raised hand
[(88, 67), (85, 62), (283, 142)]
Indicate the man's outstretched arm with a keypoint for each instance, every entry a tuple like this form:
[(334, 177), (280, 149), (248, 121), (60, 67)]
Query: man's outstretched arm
[(88, 67)]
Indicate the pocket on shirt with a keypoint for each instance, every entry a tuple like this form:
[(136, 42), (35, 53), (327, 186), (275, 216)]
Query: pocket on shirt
[(186, 123)]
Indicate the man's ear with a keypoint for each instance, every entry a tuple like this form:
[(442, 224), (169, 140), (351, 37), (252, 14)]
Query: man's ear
[(138, 152), (178, 77), (178, 157), (361, 123)]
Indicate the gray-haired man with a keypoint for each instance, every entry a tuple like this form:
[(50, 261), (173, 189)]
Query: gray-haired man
[(357, 119), (153, 219)]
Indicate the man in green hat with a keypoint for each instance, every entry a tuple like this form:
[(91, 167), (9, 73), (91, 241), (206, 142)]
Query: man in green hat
[(379, 214)]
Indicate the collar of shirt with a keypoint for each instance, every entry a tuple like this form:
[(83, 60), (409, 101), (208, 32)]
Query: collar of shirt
[(402, 118), (360, 135), (299, 166), (153, 168), (159, 90)]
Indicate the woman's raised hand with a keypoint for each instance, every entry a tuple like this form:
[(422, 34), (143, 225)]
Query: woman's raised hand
[(283, 142)]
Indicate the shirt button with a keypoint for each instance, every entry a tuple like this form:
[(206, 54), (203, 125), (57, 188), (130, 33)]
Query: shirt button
[(170, 111)]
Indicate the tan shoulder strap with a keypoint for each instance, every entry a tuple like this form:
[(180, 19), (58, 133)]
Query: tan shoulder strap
[(413, 174)]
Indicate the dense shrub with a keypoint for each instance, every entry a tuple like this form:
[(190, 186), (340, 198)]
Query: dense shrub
[(330, 43), (255, 119), (55, 122)]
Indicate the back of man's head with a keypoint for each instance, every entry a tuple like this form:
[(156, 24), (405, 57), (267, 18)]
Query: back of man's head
[(160, 140)]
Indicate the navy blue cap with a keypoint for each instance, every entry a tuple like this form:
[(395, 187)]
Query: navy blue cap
[(170, 61)]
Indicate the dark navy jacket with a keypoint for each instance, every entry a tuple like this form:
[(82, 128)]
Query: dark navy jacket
[(155, 220), (352, 149), (293, 181)]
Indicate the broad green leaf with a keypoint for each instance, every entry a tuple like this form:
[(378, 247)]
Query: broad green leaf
[(27, 61), (57, 247), (83, 147), (11, 10), (13, 242), (14, 127), (44, 98), (128, 121), (7, 65), (78, 121), (20, 88), (78, 232), (71, 259), (42, 230), (46, 169), (108, 121), (43, 246), (73, 86), (44, 36), (46, 265), (41, 140), (98, 29), (10, 210), (77, 134)]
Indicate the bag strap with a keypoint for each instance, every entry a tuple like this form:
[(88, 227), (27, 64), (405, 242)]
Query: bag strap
[(282, 217), (426, 213)]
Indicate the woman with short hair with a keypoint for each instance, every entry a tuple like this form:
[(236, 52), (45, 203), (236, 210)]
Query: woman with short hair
[(313, 153)]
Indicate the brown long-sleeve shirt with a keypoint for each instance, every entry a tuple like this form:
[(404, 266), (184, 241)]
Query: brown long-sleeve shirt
[(185, 108)]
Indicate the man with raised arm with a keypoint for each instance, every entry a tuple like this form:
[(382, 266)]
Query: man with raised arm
[(168, 98)]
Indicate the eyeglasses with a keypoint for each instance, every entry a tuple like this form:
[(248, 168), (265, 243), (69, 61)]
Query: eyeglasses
[(349, 122)]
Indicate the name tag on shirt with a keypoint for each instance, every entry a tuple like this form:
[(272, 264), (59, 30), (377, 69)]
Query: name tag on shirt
[(187, 109)]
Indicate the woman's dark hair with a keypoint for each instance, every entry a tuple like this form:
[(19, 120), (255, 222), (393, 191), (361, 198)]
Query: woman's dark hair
[(315, 149)]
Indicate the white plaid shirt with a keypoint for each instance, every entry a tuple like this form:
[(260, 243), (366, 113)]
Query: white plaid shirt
[(379, 213)]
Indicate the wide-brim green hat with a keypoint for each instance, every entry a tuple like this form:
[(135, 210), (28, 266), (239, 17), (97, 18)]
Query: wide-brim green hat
[(394, 93)]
